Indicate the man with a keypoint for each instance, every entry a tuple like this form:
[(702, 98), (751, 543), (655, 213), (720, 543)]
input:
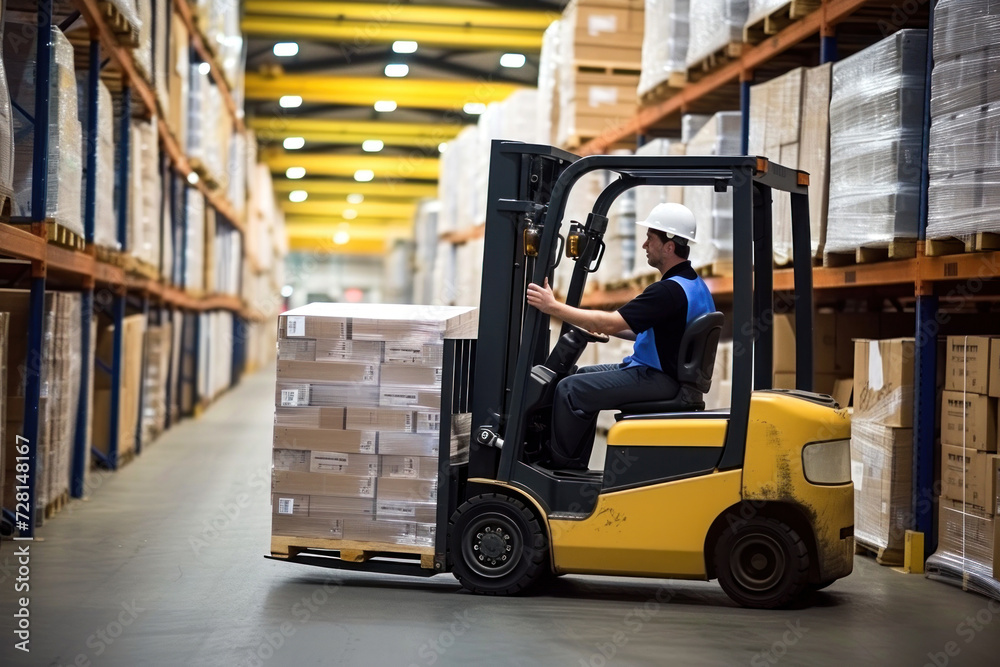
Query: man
[(655, 320)]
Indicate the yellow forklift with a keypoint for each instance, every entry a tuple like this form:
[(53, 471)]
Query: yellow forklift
[(758, 496)]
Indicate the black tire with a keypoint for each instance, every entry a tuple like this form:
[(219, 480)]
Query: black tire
[(498, 546), (762, 563)]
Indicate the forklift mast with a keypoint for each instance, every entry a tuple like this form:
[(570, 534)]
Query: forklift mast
[(528, 187)]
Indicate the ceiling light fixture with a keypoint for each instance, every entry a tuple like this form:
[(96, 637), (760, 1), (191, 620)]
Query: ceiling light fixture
[(442, 147), (512, 60), (293, 143), (290, 101), (385, 105), (355, 198), (286, 49), (404, 46), (364, 175), (298, 196), (295, 173), (397, 70), (474, 108), (350, 214), (340, 238), (372, 145)]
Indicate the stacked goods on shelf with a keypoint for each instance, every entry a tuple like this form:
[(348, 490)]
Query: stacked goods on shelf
[(154, 381), (425, 235), (882, 444), (549, 67), (209, 127), (220, 22), (226, 256), (105, 222), (833, 349), (194, 240), (6, 151), (357, 424), (512, 119), (459, 197), (161, 55), (178, 93), (664, 45), (713, 210), (65, 161), (619, 240), (714, 26), (876, 134), (215, 353), (145, 194), (443, 275), (646, 198), (598, 72), (142, 54), (789, 124), (969, 465), (236, 172), (964, 159), (130, 383), (4, 333)]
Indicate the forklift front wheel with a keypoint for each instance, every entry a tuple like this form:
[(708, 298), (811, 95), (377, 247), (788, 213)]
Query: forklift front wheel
[(762, 563), (497, 545)]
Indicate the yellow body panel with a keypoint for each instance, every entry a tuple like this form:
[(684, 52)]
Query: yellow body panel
[(672, 433), (655, 530)]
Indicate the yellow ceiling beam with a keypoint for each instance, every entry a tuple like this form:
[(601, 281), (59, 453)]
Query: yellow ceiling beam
[(303, 227), (354, 131), (373, 189), (383, 13), (384, 166), (363, 33), (365, 91), (327, 246), (365, 210)]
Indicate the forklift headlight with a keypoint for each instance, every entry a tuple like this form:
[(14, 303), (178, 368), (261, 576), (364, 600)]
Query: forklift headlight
[(827, 462), (532, 239)]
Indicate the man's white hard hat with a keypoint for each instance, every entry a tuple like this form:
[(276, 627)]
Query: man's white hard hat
[(672, 219)]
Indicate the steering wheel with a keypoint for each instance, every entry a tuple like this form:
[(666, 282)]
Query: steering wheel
[(589, 336)]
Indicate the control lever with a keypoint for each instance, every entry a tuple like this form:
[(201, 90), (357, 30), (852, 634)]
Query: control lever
[(486, 437)]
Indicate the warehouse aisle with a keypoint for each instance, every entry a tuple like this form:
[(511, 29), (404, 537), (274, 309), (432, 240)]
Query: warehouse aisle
[(164, 566)]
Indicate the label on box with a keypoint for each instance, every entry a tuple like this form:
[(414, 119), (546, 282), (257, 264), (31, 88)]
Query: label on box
[(373, 469), (368, 442), (369, 375), (329, 461), (289, 398), (400, 353), (398, 399), (397, 508), (337, 529), (438, 375), (367, 488), (408, 422), (428, 422), (598, 23), (601, 95), (857, 474), (286, 505), (405, 469), (295, 325)]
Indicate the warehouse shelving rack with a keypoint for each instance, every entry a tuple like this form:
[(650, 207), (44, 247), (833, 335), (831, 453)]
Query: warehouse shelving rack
[(927, 280), (81, 270)]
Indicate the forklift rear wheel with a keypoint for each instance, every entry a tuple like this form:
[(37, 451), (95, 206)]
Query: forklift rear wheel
[(762, 563), (497, 545)]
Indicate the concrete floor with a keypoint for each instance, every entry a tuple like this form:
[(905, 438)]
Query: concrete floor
[(138, 575)]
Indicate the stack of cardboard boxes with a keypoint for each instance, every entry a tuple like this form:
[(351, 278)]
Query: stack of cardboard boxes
[(357, 422), (882, 445), (969, 461)]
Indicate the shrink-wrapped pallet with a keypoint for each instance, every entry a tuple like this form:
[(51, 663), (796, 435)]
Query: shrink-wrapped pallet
[(876, 135), (105, 222), (65, 133), (364, 469), (964, 158), (194, 243), (145, 193), (712, 210), (549, 65), (664, 43), (713, 25), (6, 138), (512, 119), (425, 232)]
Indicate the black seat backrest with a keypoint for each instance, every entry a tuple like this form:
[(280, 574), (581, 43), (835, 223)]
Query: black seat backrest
[(698, 348)]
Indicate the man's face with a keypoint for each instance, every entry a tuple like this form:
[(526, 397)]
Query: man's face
[(655, 249)]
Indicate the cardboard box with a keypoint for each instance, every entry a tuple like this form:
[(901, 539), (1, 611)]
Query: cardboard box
[(320, 506), (392, 532), (380, 419), (409, 444), (342, 463), (824, 343), (969, 420), (994, 382), (393, 510), (410, 374), (881, 468), (409, 396), (410, 467), (965, 476), (320, 484), (883, 381), (306, 417), (307, 526), (289, 504), (602, 22), (329, 371), (295, 460), (409, 490), (326, 440), (967, 366)]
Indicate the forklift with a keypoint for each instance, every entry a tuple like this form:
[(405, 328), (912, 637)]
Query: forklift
[(758, 496)]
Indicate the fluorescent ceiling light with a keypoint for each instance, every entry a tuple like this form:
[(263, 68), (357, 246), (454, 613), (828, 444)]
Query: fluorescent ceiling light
[(512, 60), (287, 291), (442, 147), (298, 196), (372, 145), (340, 238), (286, 49), (295, 173), (474, 108), (193, 178), (290, 101), (404, 46), (355, 198), (204, 69), (293, 143), (364, 175), (350, 214), (385, 105), (397, 70)]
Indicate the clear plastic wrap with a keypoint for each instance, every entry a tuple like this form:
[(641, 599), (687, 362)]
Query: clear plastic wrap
[(145, 193), (712, 210), (965, 549), (547, 111), (143, 54), (194, 250), (6, 137), (156, 371), (964, 26), (105, 222), (759, 9), (129, 11), (964, 81), (714, 24), (875, 143), (964, 204), (161, 49), (882, 464), (665, 42), (65, 164)]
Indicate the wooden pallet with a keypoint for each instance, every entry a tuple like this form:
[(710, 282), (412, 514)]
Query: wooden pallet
[(665, 89), (126, 33), (778, 20), (52, 232), (352, 551), (882, 555), (56, 505), (715, 60), (138, 267), (869, 254), (978, 242), (109, 256), (198, 167)]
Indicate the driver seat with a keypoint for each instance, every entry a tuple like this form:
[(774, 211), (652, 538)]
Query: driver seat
[(695, 363)]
